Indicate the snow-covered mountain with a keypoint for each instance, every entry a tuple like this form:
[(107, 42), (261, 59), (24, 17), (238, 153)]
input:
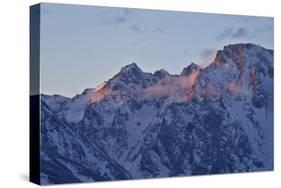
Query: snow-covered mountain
[(217, 119)]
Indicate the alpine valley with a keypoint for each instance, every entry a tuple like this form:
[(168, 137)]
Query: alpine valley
[(211, 120)]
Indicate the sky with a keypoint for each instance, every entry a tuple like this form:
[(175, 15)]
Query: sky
[(82, 46)]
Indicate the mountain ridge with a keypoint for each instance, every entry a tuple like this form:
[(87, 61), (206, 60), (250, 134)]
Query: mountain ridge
[(217, 119), (133, 66)]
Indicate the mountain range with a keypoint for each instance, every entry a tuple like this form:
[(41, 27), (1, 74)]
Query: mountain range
[(212, 120)]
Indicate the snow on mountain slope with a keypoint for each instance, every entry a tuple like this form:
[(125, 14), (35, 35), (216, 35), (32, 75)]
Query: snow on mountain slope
[(67, 156), (70, 109), (74, 110), (217, 119), (55, 102), (236, 68)]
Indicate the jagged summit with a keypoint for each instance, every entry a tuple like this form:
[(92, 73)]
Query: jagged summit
[(242, 45), (133, 67), (241, 60), (129, 77), (131, 70), (238, 53), (162, 73), (239, 69), (189, 69)]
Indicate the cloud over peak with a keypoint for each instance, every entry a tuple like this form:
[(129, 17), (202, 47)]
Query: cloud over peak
[(234, 33)]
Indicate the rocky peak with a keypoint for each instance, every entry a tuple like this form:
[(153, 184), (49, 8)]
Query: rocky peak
[(162, 73), (189, 69), (131, 68), (129, 77), (238, 54)]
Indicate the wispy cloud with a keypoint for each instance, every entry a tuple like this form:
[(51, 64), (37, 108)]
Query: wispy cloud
[(116, 18), (125, 16), (137, 28), (207, 52), (179, 88), (207, 56), (140, 29), (234, 33)]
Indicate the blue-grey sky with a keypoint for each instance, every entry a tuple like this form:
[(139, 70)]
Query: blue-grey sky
[(82, 46)]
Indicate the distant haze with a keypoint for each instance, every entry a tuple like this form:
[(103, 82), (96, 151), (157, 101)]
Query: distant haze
[(82, 46)]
